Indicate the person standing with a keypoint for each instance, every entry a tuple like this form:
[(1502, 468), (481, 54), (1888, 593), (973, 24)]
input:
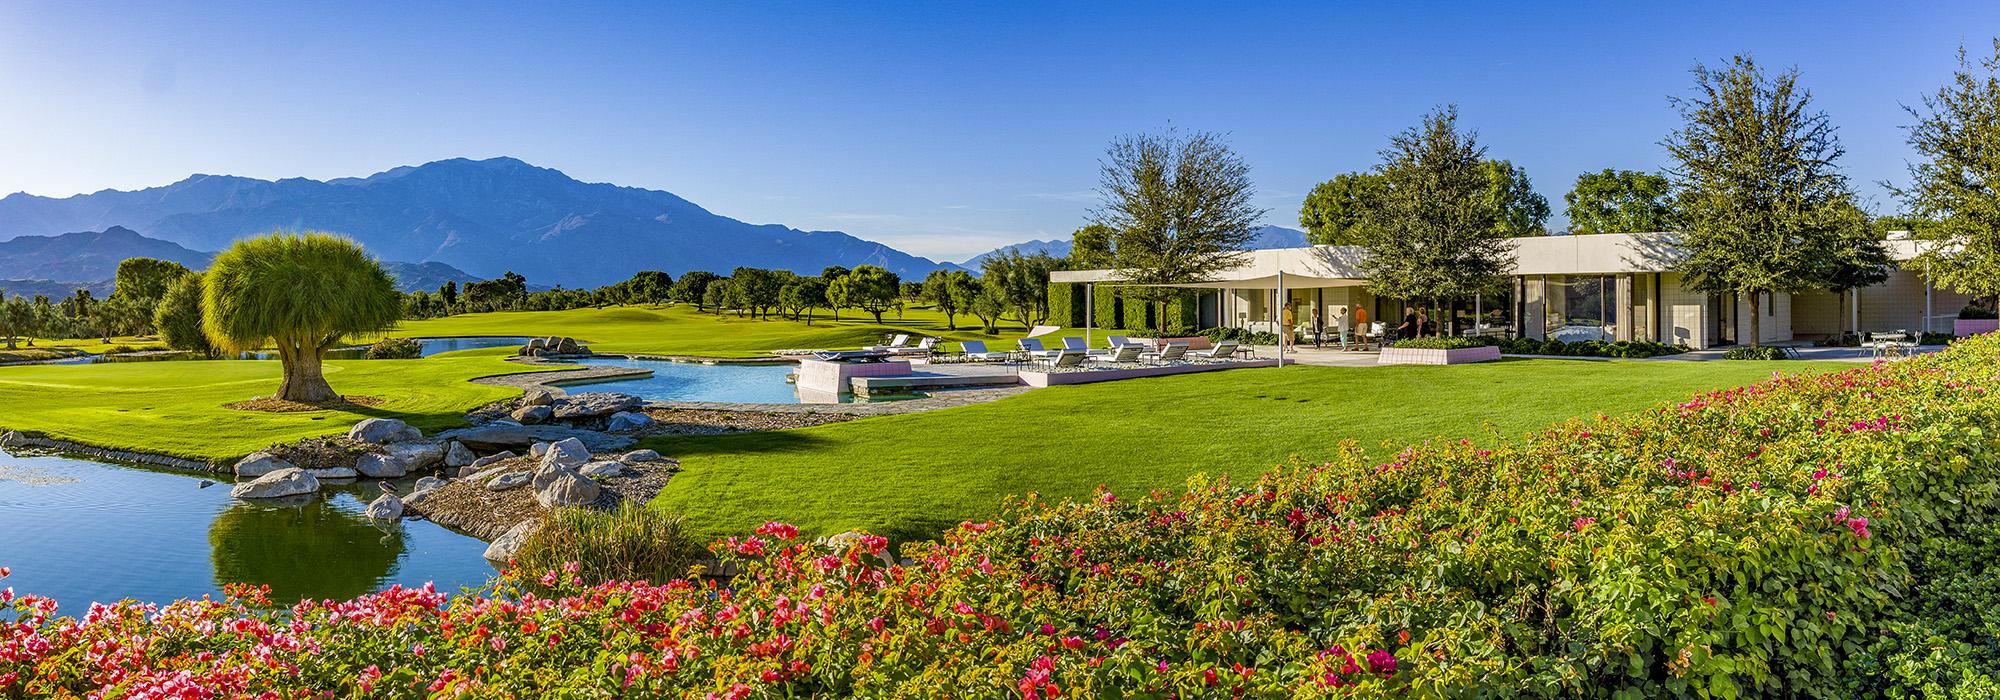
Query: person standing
[(1318, 330), (1340, 324), (1409, 328)]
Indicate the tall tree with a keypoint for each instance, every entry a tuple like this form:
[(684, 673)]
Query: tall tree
[(649, 287), (1956, 184), (803, 295), (178, 317), (1334, 211), (1523, 212), (302, 293), (1023, 282), (1180, 209), (869, 288), (1760, 196), (938, 287), (690, 287), (1859, 259), (16, 314), (1436, 234), (1620, 201), (1090, 248), (143, 281), (758, 288), (448, 292)]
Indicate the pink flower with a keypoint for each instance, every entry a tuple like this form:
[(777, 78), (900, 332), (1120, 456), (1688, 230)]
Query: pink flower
[(1582, 523), (782, 531)]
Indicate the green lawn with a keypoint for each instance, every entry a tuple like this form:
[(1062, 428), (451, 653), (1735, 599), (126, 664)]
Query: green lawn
[(177, 408), (680, 330), (910, 475)]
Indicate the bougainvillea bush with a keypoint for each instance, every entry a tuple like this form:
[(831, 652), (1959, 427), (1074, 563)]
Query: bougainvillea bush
[(1809, 536)]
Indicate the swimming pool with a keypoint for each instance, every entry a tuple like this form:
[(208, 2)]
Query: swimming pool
[(693, 381)]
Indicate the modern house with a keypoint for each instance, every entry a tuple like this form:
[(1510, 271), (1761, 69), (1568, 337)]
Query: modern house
[(1576, 287)]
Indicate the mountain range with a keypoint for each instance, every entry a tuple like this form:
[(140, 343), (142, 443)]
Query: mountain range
[(89, 260), (1263, 237), (484, 217)]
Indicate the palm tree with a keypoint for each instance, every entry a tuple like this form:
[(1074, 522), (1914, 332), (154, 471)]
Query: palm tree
[(302, 293)]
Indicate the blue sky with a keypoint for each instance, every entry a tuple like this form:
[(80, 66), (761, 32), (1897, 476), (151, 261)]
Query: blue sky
[(942, 128)]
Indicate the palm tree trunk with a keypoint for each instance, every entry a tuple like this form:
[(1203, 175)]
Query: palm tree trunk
[(305, 381)]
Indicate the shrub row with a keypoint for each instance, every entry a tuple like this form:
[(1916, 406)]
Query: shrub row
[(1589, 348), (1746, 352), (1809, 536), (1443, 342)]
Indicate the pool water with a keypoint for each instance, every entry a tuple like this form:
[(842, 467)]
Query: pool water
[(692, 381), (82, 531)]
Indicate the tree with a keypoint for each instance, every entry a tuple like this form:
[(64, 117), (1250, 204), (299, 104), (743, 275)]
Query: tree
[(16, 314), (1334, 211), (987, 301), (120, 315), (716, 294), (690, 287), (757, 288), (1437, 233), (1179, 208), (1620, 201), (803, 295), (143, 281), (831, 271), (47, 320), (1522, 211), (178, 317), (1022, 281), (1956, 184), (1090, 248), (448, 293), (649, 287), (1760, 197), (869, 288), (941, 287), (302, 293), (1859, 259)]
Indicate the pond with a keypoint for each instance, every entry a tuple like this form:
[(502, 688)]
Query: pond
[(430, 346), (81, 531)]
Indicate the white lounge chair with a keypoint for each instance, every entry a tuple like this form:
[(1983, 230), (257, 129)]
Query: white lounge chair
[(1033, 346), (1221, 352), (923, 347), (1064, 360), (1074, 343), (1125, 354), (975, 351), (1174, 352), (900, 341)]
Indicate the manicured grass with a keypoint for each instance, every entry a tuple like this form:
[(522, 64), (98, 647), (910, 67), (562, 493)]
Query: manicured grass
[(681, 330), (177, 408), (912, 474)]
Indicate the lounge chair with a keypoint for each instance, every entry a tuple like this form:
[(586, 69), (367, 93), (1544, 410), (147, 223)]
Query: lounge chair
[(1033, 346), (1125, 354), (975, 351), (1174, 352), (923, 347), (1074, 343), (900, 341), (1220, 353), (1064, 360)]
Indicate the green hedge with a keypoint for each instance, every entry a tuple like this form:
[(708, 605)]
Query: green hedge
[(1108, 312), (1135, 313), (1066, 307)]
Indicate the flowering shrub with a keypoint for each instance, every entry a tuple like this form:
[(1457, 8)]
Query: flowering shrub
[(1759, 541)]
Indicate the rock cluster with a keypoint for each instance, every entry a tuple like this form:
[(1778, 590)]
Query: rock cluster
[(553, 346)]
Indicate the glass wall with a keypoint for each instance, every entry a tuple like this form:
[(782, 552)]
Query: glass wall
[(1581, 307)]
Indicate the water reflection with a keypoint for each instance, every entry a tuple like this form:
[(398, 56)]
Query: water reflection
[(302, 547), (81, 531)]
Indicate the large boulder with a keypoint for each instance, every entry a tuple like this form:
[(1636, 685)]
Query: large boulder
[(261, 463), (510, 480), (565, 488), (387, 507), (277, 484), (382, 431), (604, 468), (637, 456), (628, 421), (481, 463), (334, 473), (428, 483), (13, 437), (400, 459), (568, 453), (532, 415), (458, 455), (503, 547), (537, 397), (595, 405)]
